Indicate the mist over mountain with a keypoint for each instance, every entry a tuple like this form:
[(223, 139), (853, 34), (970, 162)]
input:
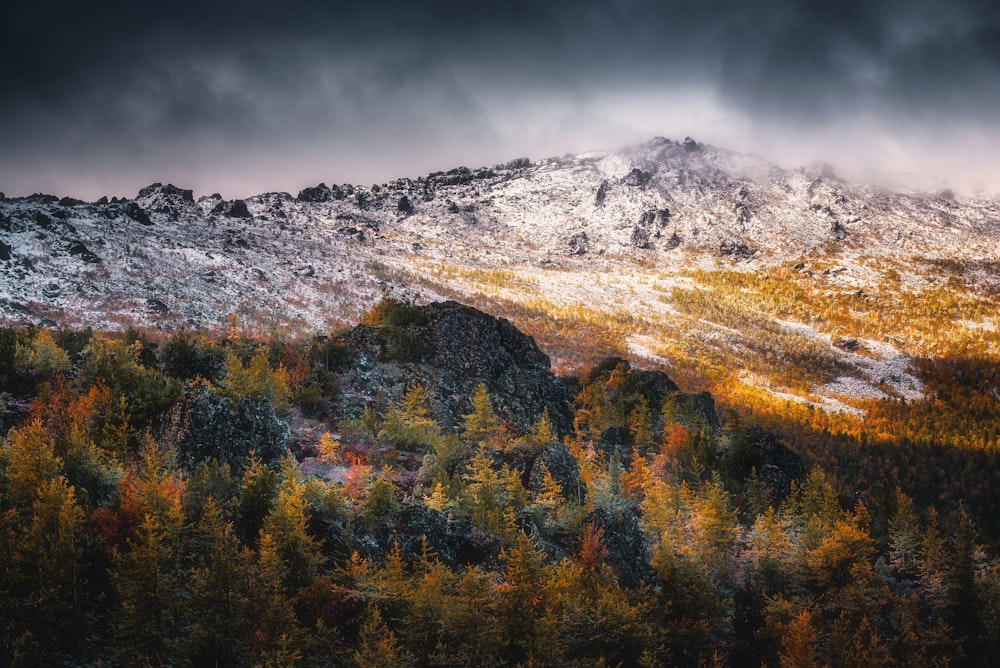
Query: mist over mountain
[(245, 97)]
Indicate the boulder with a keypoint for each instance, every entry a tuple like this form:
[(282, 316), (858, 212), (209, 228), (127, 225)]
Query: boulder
[(579, 244), (238, 209), (404, 206), (77, 248), (838, 231), (42, 220), (563, 469), (208, 426), (602, 193), (636, 178), (450, 349), (136, 213)]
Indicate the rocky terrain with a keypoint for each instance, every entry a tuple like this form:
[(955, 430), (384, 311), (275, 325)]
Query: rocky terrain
[(165, 257), (603, 236)]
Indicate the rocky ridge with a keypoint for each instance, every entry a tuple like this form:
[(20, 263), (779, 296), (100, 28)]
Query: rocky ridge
[(166, 258)]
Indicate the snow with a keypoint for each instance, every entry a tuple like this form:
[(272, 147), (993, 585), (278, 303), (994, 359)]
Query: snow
[(318, 265)]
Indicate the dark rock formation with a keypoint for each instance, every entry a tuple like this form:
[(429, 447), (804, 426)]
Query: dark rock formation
[(77, 248), (696, 411), (636, 178), (404, 206), (563, 469), (655, 218), (640, 238), (71, 201), (238, 209), (624, 543), (602, 193), (42, 220), (450, 349), (318, 193), (6, 252), (757, 449), (579, 244), (691, 146), (156, 306), (737, 250), (136, 213), (847, 343), (838, 231), (654, 385), (208, 426), (743, 213), (168, 190)]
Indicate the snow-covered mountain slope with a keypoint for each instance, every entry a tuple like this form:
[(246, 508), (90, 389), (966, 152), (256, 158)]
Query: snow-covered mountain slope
[(645, 244), (164, 257)]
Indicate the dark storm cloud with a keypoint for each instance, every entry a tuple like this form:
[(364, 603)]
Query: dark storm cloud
[(252, 95)]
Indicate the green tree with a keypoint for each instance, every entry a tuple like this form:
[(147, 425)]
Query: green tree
[(216, 607), (481, 425), (296, 556), (378, 646), (255, 381), (42, 358)]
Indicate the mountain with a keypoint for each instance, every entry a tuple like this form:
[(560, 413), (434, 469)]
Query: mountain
[(694, 407), (679, 253)]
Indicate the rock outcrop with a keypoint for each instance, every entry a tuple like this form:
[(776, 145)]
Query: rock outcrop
[(450, 349), (209, 426)]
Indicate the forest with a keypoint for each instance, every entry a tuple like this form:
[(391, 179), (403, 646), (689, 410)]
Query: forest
[(202, 499)]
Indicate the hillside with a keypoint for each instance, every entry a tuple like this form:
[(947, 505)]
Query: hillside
[(422, 489)]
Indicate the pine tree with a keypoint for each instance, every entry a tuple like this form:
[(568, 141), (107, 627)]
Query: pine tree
[(42, 358), (378, 646), (217, 604), (148, 578), (640, 424), (481, 425), (904, 538), (800, 643), (296, 554)]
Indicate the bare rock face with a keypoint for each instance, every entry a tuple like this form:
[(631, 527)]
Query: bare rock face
[(238, 209), (136, 213), (450, 349), (637, 178), (624, 542), (562, 467), (208, 426), (168, 200)]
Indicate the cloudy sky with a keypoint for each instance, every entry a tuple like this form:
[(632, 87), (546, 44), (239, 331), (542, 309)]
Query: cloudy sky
[(246, 95)]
